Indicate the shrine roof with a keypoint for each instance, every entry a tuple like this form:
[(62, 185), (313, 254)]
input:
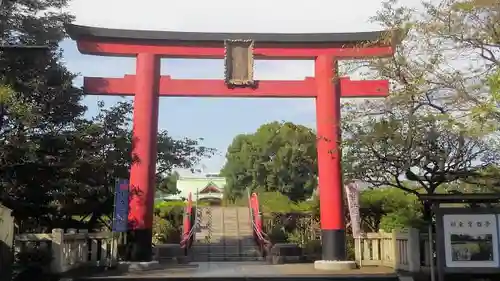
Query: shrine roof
[(79, 32)]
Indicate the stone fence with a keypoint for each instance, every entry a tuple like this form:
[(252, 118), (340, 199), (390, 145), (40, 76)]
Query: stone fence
[(72, 249), (6, 240), (407, 250)]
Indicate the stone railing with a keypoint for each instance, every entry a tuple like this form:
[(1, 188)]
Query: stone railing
[(6, 240), (407, 250), (72, 249)]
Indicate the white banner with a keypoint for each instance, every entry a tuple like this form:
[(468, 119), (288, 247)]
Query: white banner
[(352, 192)]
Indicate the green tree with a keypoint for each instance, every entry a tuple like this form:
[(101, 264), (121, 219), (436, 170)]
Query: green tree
[(436, 126), (384, 208), (447, 66), (388, 208), (416, 156), (277, 157), (169, 184), (38, 109), (55, 164), (86, 161), (472, 27)]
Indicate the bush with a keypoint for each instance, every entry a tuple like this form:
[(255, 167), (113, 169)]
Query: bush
[(275, 202), (401, 219), (164, 232), (278, 235), (168, 221), (172, 211), (33, 263)]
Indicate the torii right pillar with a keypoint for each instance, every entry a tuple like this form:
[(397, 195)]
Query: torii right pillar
[(329, 165), (328, 108)]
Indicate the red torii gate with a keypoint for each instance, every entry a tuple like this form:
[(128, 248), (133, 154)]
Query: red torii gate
[(239, 50)]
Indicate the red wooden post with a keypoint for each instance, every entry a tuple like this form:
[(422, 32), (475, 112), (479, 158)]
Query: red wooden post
[(329, 158), (187, 216), (144, 143), (256, 212)]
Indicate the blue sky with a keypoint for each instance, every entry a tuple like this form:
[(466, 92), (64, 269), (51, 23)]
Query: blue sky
[(214, 119)]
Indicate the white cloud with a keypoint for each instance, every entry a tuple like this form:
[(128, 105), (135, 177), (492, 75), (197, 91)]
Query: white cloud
[(229, 16)]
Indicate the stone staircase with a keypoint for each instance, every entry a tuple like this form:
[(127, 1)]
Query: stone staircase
[(224, 234)]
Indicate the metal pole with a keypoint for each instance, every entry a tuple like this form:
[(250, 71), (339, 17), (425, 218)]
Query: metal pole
[(359, 240), (112, 252), (113, 218), (431, 251)]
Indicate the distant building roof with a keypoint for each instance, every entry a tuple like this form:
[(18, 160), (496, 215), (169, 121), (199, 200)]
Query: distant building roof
[(196, 184)]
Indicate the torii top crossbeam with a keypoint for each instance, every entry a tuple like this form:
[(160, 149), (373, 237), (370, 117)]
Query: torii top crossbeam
[(173, 44)]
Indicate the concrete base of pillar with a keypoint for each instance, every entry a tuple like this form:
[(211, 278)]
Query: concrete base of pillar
[(334, 265)]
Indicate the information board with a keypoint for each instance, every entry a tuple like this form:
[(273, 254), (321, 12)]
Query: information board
[(471, 240)]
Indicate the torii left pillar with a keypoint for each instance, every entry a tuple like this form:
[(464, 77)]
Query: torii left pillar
[(144, 150)]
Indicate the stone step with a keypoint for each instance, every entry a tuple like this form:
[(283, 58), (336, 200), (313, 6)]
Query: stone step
[(247, 237), (222, 259), (245, 228), (226, 235), (228, 258), (226, 254), (218, 250), (231, 239), (223, 249)]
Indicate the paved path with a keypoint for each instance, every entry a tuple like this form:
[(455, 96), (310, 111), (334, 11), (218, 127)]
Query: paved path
[(248, 269)]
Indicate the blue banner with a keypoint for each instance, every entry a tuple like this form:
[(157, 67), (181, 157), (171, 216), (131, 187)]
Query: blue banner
[(120, 215)]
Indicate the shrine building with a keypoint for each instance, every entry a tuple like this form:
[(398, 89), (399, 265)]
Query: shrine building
[(208, 188)]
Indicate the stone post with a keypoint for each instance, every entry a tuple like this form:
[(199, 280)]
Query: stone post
[(413, 250), (84, 247), (395, 249), (114, 248), (358, 256), (58, 262)]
